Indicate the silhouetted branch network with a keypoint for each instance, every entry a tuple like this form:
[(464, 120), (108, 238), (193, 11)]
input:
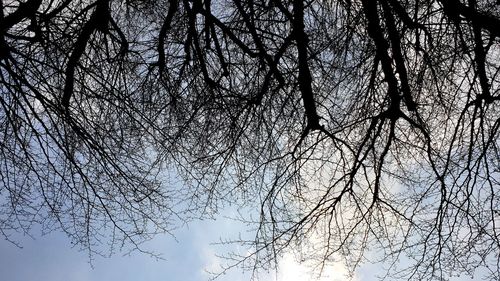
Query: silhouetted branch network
[(361, 130)]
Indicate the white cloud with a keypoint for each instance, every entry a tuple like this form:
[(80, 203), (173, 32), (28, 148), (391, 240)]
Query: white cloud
[(292, 270)]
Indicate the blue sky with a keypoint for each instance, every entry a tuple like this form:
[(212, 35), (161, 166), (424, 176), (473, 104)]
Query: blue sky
[(186, 258), (51, 258)]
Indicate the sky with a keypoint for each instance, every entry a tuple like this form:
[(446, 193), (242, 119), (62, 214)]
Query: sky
[(186, 258)]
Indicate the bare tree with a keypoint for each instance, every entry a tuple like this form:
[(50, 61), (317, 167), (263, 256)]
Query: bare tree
[(355, 126)]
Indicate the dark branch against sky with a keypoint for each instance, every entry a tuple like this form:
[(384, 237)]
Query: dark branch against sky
[(342, 128)]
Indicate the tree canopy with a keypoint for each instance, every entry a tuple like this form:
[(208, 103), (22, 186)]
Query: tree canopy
[(368, 125)]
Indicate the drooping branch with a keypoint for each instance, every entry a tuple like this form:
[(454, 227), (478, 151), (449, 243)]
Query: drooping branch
[(480, 58), (454, 8), (167, 23), (229, 33), (398, 56), (99, 17), (263, 54), (375, 31), (346, 69), (25, 10), (199, 53), (305, 79)]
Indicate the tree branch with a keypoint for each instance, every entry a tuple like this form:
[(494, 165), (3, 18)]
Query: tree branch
[(99, 16), (454, 8), (305, 79)]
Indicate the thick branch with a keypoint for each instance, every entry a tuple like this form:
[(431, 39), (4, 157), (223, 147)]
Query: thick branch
[(480, 58), (99, 16), (398, 56), (454, 8), (167, 23), (376, 33), (305, 79), (25, 10)]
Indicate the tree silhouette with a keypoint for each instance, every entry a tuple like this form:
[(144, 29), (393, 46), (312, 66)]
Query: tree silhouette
[(368, 125)]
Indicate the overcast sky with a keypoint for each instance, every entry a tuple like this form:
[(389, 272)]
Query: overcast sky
[(51, 258)]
